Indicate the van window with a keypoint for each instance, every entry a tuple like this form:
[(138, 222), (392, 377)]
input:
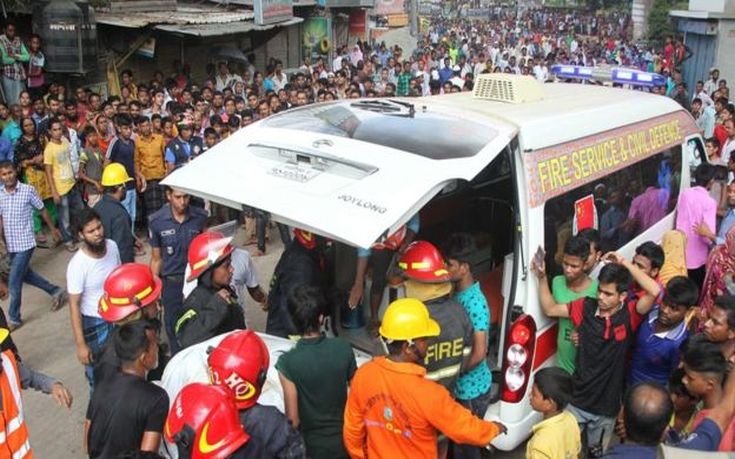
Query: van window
[(626, 203), (432, 135)]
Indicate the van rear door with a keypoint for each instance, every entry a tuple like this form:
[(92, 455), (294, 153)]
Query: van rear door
[(350, 185)]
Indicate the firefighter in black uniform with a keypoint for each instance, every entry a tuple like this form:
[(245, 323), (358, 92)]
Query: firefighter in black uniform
[(300, 264), (212, 307)]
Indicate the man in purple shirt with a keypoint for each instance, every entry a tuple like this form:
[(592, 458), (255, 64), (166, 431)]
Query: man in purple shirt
[(696, 207), (646, 210)]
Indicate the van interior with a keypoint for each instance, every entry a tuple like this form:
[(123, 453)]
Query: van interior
[(485, 208)]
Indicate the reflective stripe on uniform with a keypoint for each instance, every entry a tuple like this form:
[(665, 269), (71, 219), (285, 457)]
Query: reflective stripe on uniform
[(444, 372), (24, 451), (189, 314)]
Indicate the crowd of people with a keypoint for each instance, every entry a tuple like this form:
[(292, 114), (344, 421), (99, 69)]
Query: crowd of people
[(645, 345)]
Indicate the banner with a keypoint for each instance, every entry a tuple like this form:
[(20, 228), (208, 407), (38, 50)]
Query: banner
[(585, 214), (317, 38), (555, 170), (386, 7), (358, 23), (272, 11)]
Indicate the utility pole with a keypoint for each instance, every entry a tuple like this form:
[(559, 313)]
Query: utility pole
[(414, 12)]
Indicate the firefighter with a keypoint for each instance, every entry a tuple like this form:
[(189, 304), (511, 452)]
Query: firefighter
[(300, 264), (204, 423), (240, 363), (212, 307), (131, 292), (393, 410), (427, 279)]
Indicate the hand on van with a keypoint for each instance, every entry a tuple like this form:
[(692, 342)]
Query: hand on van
[(538, 264)]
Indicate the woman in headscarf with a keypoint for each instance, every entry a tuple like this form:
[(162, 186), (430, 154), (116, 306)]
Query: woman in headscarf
[(720, 265), (356, 55)]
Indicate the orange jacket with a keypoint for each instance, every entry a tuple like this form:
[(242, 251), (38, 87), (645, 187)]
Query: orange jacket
[(13, 431), (394, 412)]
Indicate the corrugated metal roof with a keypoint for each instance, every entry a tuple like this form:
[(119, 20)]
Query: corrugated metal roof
[(214, 30), (184, 14)]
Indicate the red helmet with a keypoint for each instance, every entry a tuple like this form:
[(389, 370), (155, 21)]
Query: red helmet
[(204, 421), (206, 250), (422, 262), (305, 238), (240, 362), (128, 289)]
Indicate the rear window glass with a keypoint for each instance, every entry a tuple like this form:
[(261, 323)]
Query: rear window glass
[(427, 134)]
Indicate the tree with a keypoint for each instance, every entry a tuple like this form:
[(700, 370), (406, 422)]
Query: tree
[(659, 22)]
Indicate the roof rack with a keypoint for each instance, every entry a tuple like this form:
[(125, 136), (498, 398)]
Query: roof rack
[(503, 87)]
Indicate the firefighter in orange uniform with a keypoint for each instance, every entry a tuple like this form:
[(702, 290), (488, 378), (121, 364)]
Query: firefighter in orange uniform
[(15, 376), (392, 409)]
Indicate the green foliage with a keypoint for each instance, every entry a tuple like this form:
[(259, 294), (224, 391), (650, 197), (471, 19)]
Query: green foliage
[(659, 22)]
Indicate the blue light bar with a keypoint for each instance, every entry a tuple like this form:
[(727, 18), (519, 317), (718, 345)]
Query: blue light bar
[(619, 75), (572, 71), (637, 77)]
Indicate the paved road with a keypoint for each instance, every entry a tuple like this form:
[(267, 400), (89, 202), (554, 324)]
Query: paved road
[(46, 344)]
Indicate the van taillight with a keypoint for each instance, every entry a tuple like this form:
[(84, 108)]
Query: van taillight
[(518, 358)]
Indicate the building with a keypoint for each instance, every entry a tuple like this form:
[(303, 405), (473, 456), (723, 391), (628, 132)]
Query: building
[(708, 28)]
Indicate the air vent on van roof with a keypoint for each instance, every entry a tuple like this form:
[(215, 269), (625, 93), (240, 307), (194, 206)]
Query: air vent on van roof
[(502, 87)]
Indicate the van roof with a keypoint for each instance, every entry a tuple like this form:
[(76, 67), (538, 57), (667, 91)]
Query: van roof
[(568, 111)]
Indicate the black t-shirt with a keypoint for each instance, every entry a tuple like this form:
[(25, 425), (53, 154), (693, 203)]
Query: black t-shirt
[(122, 408), (599, 377)]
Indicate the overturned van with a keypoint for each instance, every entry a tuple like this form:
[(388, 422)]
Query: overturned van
[(515, 163)]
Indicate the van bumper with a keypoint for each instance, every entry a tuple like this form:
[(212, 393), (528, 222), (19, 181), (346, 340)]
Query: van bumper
[(518, 432)]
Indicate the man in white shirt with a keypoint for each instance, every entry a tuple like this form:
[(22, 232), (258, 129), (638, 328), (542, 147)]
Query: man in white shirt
[(540, 71), (714, 81), (729, 146), (701, 94), (85, 278)]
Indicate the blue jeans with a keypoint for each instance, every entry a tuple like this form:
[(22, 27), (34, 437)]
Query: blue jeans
[(96, 331), (596, 429), (70, 201), (129, 204), (478, 406), (12, 89), (20, 273)]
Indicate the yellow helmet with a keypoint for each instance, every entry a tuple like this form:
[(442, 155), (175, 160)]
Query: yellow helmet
[(115, 174), (407, 319)]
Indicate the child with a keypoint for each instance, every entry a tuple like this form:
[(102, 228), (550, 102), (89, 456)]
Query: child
[(315, 375), (656, 353), (557, 436), (685, 407), (91, 164), (705, 369)]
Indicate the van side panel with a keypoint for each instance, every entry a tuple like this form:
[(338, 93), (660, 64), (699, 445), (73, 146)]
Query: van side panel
[(580, 165)]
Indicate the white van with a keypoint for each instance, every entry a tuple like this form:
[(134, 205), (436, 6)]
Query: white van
[(517, 164)]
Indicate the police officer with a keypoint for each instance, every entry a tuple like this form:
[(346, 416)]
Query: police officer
[(171, 230), (182, 148)]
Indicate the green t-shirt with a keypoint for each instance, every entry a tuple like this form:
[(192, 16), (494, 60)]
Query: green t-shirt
[(566, 351), (321, 369)]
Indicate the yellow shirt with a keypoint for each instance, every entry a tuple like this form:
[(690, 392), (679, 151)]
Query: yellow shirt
[(149, 156), (59, 157), (555, 438)]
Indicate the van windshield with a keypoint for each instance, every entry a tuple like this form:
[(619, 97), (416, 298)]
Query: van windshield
[(393, 125)]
